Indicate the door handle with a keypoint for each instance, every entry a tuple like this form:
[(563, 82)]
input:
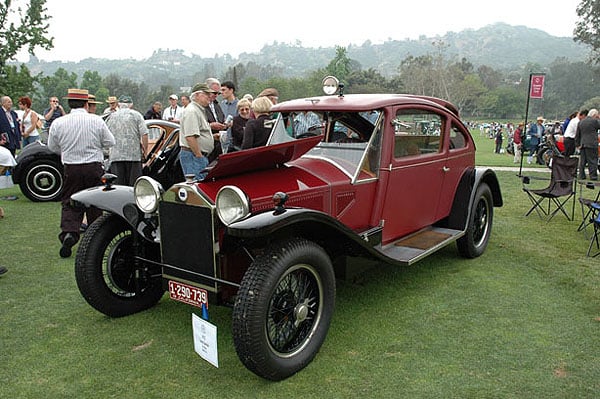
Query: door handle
[(446, 169)]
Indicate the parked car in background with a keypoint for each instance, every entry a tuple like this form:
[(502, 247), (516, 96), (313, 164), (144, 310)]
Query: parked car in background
[(40, 175), (386, 177)]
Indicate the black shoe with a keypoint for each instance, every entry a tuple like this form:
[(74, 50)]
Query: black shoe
[(3, 270), (67, 244), (83, 228)]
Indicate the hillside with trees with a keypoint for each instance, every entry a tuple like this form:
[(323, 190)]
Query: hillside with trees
[(484, 72)]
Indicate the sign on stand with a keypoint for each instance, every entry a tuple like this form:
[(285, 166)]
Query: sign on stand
[(205, 340)]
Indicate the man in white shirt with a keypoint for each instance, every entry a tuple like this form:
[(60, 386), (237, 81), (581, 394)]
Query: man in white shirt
[(571, 131), (80, 138), (173, 112)]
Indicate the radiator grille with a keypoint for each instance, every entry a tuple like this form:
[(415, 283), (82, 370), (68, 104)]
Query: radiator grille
[(187, 242)]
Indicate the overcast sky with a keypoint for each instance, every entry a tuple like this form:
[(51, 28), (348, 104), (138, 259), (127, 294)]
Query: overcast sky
[(118, 29)]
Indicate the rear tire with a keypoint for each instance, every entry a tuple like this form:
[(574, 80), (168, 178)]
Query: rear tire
[(42, 180), (475, 240)]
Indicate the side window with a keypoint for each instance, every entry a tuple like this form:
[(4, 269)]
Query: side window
[(417, 133), (457, 138)]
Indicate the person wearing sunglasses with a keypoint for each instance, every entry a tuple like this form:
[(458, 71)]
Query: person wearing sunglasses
[(54, 111)]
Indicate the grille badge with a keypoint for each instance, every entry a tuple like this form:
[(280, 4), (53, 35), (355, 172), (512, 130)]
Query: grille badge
[(182, 194)]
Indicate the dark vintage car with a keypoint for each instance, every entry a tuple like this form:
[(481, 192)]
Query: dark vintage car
[(386, 177), (40, 175)]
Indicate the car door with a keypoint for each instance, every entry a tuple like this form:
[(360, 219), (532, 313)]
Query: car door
[(460, 155), (416, 171)]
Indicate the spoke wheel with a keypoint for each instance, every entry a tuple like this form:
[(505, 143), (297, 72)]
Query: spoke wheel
[(283, 308), (107, 275)]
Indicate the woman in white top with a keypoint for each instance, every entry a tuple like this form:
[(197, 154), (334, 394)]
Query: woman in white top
[(29, 122)]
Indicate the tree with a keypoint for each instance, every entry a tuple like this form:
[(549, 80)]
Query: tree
[(367, 81), (341, 65), (19, 29), (92, 81), (416, 73), (587, 29), (57, 85), (17, 82), (118, 86)]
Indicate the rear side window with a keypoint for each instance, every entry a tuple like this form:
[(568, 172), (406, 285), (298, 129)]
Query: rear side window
[(417, 133), (457, 138)]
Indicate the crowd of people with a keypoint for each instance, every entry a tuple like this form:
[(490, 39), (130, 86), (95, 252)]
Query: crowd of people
[(208, 128), (568, 138)]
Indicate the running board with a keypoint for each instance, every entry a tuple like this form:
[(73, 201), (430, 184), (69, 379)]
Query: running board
[(413, 248)]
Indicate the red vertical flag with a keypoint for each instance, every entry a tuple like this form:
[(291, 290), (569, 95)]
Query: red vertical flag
[(537, 86)]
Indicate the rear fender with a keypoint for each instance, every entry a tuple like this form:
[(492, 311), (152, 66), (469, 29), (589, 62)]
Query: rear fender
[(465, 193), (31, 153)]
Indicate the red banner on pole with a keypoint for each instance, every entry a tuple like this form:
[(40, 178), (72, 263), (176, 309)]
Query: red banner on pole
[(537, 86)]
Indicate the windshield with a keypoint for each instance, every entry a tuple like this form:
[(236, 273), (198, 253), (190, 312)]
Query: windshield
[(351, 140)]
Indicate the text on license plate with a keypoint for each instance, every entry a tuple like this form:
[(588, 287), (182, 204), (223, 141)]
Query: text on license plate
[(188, 294)]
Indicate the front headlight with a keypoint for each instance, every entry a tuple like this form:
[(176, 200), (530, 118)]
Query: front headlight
[(232, 204), (147, 192)]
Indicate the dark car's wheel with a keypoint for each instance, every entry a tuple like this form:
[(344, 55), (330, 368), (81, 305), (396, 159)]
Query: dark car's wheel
[(42, 180), (107, 275), (475, 240), (283, 308), (544, 156)]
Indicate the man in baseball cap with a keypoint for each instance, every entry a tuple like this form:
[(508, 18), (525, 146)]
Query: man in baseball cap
[(195, 138), (173, 112)]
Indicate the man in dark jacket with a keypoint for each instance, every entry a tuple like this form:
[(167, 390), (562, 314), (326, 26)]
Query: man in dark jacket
[(586, 139), (155, 111), (216, 117), (9, 126)]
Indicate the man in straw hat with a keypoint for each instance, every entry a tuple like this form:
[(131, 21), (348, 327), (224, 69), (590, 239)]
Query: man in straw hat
[(92, 103), (535, 135), (195, 139), (113, 105), (79, 137)]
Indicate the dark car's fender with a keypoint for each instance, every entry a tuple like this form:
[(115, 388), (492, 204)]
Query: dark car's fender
[(119, 200), (32, 152)]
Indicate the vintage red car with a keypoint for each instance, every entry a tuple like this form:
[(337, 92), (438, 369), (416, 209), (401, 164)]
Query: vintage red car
[(381, 176)]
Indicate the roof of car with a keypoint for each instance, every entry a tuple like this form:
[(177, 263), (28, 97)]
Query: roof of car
[(361, 102)]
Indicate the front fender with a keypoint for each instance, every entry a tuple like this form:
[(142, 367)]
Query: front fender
[(269, 222), (120, 201), (314, 225), (114, 199)]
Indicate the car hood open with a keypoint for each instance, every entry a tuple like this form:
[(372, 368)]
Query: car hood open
[(259, 158)]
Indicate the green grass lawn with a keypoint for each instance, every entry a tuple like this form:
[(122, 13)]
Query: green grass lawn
[(485, 152), (521, 321)]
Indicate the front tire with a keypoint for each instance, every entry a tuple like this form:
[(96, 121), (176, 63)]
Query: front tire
[(283, 308), (107, 275), (475, 240)]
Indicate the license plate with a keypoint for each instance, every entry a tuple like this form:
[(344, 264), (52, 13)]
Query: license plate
[(188, 294)]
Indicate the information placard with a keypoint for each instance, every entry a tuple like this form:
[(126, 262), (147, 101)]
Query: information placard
[(205, 340)]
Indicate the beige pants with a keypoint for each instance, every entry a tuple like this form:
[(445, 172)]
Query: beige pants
[(517, 151)]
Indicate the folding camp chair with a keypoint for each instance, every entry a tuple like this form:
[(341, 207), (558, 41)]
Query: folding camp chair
[(595, 234), (589, 207), (560, 190)]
